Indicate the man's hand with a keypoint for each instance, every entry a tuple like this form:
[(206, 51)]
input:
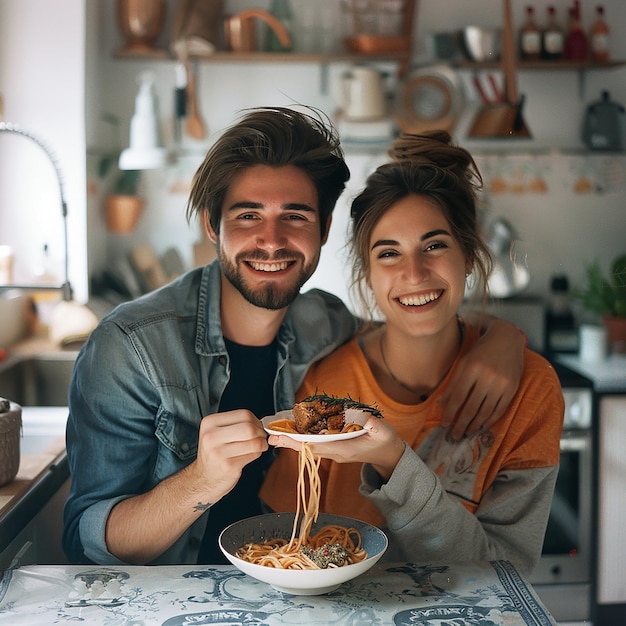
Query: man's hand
[(142, 527), (485, 380), (227, 443)]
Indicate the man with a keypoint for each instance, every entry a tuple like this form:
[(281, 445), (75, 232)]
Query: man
[(164, 442)]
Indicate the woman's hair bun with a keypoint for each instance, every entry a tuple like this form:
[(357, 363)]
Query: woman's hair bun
[(435, 148)]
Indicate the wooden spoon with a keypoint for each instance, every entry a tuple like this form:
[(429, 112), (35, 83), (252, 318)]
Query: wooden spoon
[(194, 126), (509, 64)]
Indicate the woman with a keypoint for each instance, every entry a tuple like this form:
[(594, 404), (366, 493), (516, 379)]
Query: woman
[(415, 241)]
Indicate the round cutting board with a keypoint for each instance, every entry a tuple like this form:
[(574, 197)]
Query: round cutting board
[(428, 99)]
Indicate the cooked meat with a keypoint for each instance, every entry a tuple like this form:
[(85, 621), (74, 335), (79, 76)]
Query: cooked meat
[(318, 414), (336, 422)]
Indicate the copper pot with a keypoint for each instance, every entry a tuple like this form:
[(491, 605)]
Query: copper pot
[(240, 34), (141, 22)]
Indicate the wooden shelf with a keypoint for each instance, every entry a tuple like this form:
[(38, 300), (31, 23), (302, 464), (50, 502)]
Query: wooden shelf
[(548, 66), (265, 57), (310, 57)]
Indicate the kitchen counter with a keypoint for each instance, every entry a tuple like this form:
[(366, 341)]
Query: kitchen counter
[(38, 345), (608, 375), (42, 471), (401, 594)]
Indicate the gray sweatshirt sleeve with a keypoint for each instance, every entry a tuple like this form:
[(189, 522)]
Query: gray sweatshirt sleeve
[(427, 525)]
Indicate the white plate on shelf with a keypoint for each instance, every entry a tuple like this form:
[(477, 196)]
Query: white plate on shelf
[(352, 416)]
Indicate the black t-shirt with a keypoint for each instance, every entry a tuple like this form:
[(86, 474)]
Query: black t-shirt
[(251, 386)]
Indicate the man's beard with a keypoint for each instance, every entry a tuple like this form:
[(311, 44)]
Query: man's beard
[(268, 296)]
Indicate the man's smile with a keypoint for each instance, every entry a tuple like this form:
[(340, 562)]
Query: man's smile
[(273, 266)]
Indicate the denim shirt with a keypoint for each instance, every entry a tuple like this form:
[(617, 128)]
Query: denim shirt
[(141, 385)]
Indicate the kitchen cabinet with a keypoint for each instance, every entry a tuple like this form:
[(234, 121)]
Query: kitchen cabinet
[(31, 515), (31, 506), (39, 541), (609, 381)]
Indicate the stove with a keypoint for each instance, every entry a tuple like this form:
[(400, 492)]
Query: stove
[(563, 576)]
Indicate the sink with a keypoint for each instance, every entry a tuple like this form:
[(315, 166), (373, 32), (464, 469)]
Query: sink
[(13, 313), (42, 429), (41, 380), (39, 384)]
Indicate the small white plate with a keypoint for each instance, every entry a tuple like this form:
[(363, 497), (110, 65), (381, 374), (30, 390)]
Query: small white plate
[(352, 416)]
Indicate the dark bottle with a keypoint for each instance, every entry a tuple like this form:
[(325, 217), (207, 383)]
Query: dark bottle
[(552, 37), (576, 43), (530, 37), (561, 332)]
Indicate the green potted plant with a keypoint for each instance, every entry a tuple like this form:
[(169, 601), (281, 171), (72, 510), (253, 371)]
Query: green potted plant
[(124, 205), (605, 298)]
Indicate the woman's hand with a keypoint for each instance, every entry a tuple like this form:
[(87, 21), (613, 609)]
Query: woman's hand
[(485, 380), (380, 446)]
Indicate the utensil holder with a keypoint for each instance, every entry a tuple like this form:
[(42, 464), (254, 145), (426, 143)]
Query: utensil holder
[(10, 430)]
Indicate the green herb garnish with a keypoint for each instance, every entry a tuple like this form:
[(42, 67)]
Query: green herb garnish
[(347, 403)]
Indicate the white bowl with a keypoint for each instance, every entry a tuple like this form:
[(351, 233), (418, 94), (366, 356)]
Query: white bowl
[(299, 582), (482, 44)]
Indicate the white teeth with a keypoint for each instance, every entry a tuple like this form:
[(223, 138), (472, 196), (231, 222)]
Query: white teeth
[(271, 267), (421, 299)]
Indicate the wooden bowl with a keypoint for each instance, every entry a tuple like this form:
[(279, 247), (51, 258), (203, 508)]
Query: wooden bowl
[(376, 44)]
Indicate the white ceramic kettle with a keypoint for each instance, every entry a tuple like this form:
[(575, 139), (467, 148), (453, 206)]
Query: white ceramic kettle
[(363, 95)]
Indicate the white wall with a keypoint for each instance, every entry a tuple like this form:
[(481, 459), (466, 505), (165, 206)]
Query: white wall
[(57, 71), (558, 231), (42, 70)]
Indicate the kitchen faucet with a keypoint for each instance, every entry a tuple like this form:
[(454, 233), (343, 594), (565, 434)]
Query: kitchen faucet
[(65, 288)]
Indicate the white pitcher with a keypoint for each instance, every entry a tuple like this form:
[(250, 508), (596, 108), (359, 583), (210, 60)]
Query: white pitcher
[(363, 94)]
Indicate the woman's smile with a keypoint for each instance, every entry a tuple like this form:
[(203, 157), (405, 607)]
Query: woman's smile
[(420, 299)]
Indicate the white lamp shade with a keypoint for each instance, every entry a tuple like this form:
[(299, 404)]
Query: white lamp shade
[(144, 152), (142, 159)]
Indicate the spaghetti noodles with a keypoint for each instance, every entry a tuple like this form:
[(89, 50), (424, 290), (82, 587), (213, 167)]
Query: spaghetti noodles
[(331, 546)]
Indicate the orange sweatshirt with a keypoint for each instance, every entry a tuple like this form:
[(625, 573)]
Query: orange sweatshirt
[(525, 438)]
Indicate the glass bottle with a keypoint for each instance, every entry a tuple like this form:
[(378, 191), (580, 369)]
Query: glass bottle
[(281, 10), (561, 332), (530, 37), (576, 43), (599, 37), (552, 37)]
